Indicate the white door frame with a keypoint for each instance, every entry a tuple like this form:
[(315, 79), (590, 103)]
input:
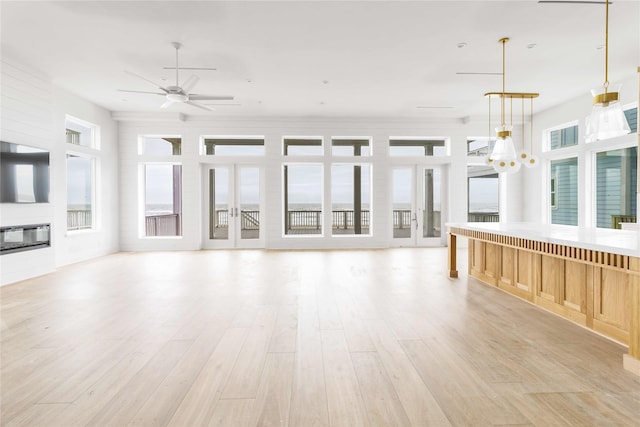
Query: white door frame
[(417, 192), (234, 213)]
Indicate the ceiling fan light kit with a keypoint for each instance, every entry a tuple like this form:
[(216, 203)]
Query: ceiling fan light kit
[(180, 94)]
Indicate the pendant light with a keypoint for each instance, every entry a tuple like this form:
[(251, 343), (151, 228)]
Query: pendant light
[(503, 158), (607, 119)]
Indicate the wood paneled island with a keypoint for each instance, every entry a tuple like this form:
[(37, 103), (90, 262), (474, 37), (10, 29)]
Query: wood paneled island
[(589, 276)]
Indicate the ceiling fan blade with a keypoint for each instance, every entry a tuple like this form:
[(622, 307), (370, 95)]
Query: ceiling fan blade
[(190, 83), (195, 97), (147, 80), (195, 104), (191, 68), (167, 103), (141, 91)]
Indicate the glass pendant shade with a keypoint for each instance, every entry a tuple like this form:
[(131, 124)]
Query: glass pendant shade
[(503, 148), (607, 119), (504, 153), (514, 166), (528, 160), (531, 162), (500, 166)]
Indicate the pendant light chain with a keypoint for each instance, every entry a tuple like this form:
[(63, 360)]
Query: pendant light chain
[(523, 128), (531, 127), (503, 84), (606, 48), (489, 98)]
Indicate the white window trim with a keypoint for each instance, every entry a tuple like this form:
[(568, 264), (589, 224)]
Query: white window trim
[(93, 128)]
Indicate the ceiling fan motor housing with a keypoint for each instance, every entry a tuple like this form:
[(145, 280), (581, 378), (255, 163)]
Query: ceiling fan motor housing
[(176, 94)]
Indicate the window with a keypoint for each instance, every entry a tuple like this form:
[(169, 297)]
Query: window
[(350, 147), (301, 146), (161, 145), (80, 192), (631, 115), (483, 194), (564, 137), (417, 147), (616, 186), (234, 146), (480, 146), (82, 133), (565, 187), (350, 199), (303, 199), (163, 199), (83, 157)]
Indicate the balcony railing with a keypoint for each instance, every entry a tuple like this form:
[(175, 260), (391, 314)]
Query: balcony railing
[(249, 220), (304, 220), (312, 220), (483, 217), (616, 220), (345, 219), (79, 219), (163, 225), (401, 219)]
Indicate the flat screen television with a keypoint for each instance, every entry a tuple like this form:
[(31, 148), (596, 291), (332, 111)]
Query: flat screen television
[(24, 174)]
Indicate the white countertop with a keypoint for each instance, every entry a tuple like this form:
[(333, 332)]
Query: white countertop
[(621, 242)]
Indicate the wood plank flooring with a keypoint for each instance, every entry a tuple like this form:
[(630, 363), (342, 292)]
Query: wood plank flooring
[(296, 338)]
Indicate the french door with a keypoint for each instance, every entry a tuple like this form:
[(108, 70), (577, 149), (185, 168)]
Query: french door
[(233, 206), (419, 201)]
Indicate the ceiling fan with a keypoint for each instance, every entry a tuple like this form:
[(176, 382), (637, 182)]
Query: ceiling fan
[(180, 94)]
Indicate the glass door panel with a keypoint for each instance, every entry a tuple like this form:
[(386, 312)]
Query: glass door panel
[(249, 199), (432, 213), (219, 203), (418, 205), (403, 209), (431, 203), (234, 206)]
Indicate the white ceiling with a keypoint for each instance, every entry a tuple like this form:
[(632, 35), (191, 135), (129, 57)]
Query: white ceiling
[(379, 59)]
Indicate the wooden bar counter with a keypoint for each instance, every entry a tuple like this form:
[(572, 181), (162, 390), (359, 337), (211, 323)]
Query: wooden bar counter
[(589, 276)]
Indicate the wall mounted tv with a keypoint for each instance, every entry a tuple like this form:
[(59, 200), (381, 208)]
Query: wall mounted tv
[(24, 174)]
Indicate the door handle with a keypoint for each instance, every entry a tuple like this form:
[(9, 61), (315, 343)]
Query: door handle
[(236, 211), (415, 219)]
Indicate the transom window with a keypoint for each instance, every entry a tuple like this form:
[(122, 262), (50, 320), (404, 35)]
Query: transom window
[(228, 146), (350, 147), (82, 133), (417, 147), (302, 146), (563, 137), (481, 146), (161, 145)]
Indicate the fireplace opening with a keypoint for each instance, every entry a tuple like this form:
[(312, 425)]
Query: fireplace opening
[(20, 238)]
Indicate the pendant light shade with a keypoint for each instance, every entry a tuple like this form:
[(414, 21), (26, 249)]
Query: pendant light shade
[(607, 119), (529, 161), (503, 148)]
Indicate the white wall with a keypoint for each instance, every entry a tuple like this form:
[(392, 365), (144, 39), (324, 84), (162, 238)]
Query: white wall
[(535, 180), (33, 112), (191, 129)]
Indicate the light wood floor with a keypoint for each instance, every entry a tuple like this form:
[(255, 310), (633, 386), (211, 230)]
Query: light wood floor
[(306, 338)]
